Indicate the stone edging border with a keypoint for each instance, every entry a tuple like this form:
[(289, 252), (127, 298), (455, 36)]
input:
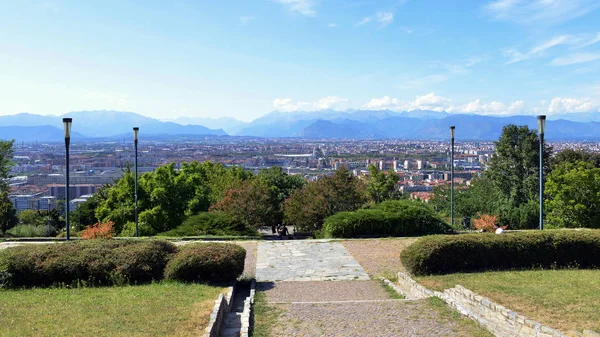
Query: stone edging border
[(494, 317), (247, 313), (222, 305)]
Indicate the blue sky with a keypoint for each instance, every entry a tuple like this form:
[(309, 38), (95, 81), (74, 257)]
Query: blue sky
[(244, 58)]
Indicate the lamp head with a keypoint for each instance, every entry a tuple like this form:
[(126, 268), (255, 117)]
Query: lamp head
[(67, 126), (452, 132), (136, 131), (541, 124)]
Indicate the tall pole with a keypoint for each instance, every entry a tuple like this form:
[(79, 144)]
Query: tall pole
[(67, 128), (135, 145), (541, 127), (452, 176)]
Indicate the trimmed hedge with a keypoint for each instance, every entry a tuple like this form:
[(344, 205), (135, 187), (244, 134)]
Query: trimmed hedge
[(206, 262), (92, 262), (509, 251), (211, 223), (389, 218)]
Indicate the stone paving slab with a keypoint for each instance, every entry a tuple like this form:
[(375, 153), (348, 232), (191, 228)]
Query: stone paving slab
[(376, 319), (306, 261), (319, 291)]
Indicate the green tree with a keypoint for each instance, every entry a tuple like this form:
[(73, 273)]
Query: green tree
[(251, 203), (6, 153), (309, 206), (573, 194), (281, 186), (514, 169), (86, 211), (31, 217), (382, 186), (574, 156), (8, 214)]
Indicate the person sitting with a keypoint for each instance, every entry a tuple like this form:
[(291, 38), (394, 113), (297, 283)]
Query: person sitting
[(283, 231)]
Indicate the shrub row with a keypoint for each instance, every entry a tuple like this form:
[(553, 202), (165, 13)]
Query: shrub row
[(206, 262), (481, 252), (389, 218), (211, 223), (113, 262)]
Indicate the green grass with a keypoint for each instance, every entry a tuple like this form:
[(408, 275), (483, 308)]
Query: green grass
[(563, 299), (165, 309), (391, 291), (466, 325), (265, 315)]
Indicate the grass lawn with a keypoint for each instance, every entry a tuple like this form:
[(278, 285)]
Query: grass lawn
[(265, 315), (563, 299), (165, 309)]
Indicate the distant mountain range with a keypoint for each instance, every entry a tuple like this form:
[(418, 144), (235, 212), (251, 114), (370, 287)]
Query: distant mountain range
[(327, 124)]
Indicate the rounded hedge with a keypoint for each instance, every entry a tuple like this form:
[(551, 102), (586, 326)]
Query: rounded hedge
[(508, 251), (389, 218), (213, 262), (211, 223), (91, 262)]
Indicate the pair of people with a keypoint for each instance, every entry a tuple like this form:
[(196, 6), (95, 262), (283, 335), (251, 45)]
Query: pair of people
[(282, 231)]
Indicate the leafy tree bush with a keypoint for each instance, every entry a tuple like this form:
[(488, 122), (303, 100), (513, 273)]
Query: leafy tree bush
[(98, 231), (92, 262), (382, 186), (573, 193), (308, 207), (206, 262), (390, 218), (251, 203), (32, 231), (481, 252), (211, 223)]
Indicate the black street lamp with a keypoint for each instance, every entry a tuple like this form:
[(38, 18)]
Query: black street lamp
[(541, 128), (136, 131), (452, 176), (67, 126)]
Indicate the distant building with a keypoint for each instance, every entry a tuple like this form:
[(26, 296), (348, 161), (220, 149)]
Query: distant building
[(75, 191)]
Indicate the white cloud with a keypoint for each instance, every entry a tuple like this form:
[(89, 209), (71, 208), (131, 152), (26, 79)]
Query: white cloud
[(333, 25), (384, 18), (363, 21), (591, 41), (565, 105), (329, 102), (546, 12), (539, 49), (425, 102), (244, 20), (304, 7), (575, 59)]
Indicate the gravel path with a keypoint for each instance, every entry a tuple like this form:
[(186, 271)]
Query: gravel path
[(379, 257), (375, 319), (319, 291), (250, 263)]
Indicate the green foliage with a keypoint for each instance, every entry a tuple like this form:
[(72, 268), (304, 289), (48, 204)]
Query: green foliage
[(206, 262), (85, 213), (390, 218), (211, 223), (251, 203), (91, 262), (481, 252), (8, 214), (574, 156), (32, 231), (573, 193), (167, 195), (381, 186), (514, 169), (6, 153), (308, 207)]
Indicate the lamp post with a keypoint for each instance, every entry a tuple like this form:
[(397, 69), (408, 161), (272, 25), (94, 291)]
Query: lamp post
[(67, 126), (541, 126), (452, 176), (136, 131)]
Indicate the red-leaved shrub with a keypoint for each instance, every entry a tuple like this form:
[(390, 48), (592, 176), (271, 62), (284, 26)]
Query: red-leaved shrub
[(99, 231)]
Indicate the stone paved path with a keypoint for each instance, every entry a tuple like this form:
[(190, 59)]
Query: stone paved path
[(301, 260), (291, 275)]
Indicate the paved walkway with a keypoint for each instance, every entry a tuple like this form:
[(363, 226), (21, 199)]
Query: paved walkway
[(301, 260), (291, 275)]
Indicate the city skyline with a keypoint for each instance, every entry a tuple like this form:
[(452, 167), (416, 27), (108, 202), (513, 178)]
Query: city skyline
[(243, 59)]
